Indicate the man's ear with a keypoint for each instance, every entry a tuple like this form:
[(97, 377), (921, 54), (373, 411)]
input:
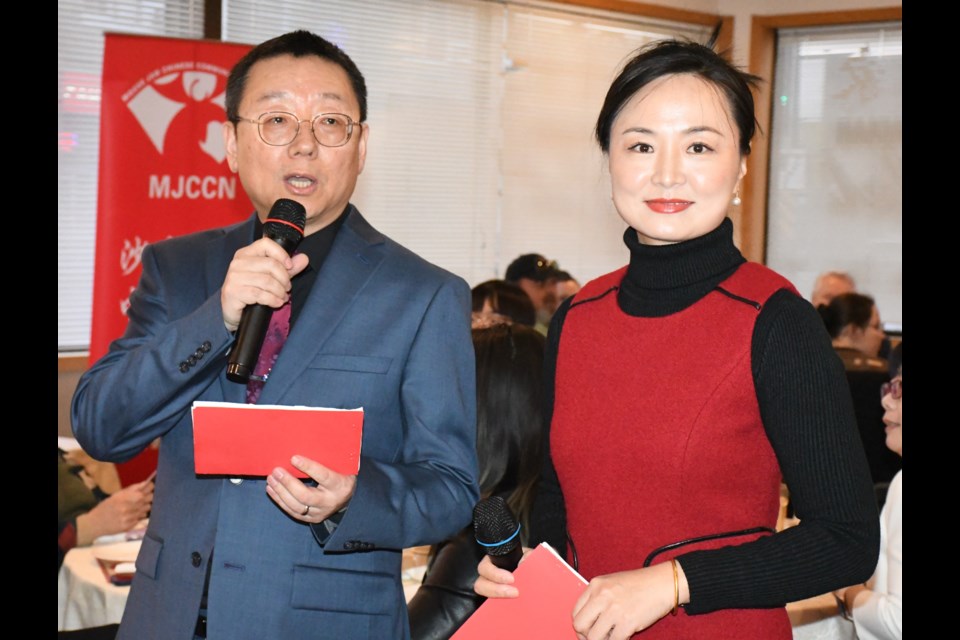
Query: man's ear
[(230, 144), (362, 147)]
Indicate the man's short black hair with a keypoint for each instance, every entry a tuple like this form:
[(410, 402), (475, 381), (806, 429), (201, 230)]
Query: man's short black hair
[(298, 44)]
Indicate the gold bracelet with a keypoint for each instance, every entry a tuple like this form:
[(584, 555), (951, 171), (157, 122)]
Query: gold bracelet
[(676, 589)]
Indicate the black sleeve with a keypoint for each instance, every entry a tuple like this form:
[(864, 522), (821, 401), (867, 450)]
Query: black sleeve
[(548, 518), (808, 417), (446, 598)]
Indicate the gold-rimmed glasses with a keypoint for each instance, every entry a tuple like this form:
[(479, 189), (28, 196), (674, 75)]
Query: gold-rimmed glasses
[(280, 128)]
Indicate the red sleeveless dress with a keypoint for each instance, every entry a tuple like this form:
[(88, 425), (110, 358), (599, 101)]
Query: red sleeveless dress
[(657, 437)]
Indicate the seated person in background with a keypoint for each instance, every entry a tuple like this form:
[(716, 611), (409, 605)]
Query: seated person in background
[(85, 511), (876, 607), (853, 323), (537, 277), (831, 284), (509, 428), (566, 286), (496, 301)]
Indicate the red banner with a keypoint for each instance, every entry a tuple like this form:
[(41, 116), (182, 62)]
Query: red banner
[(163, 168)]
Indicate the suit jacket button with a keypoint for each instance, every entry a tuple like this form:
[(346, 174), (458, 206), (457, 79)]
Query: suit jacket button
[(198, 354), (196, 559), (184, 367), (206, 346), (192, 360)]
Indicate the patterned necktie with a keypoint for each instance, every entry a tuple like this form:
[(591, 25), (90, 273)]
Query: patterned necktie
[(277, 332)]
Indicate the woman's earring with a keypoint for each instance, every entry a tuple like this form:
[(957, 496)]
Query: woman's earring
[(736, 199)]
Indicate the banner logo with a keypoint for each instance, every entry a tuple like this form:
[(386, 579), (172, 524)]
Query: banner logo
[(164, 94)]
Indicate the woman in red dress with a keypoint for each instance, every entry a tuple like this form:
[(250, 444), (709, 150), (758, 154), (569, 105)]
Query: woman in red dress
[(686, 385)]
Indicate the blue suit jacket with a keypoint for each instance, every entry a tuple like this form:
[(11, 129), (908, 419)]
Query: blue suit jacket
[(381, 329)]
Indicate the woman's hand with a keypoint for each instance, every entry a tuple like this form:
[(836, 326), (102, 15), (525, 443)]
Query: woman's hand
[(495, 582), (617, 605), (116, 513)]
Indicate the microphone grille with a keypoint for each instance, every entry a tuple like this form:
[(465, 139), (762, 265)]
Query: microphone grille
[(494, 522), (286, 221)]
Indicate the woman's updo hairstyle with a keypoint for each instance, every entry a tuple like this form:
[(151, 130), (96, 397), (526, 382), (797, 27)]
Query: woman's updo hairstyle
[(847, 309), (674, 57)]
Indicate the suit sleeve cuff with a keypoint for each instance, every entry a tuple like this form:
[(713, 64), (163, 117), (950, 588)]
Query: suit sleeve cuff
[(323, 530)]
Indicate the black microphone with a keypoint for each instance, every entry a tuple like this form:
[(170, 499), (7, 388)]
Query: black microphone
[(284, 225), (498, 531)]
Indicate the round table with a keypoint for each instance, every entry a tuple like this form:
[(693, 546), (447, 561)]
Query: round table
[(85, 598)]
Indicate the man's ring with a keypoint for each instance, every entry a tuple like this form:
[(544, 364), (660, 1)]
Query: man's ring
[(306, 510)]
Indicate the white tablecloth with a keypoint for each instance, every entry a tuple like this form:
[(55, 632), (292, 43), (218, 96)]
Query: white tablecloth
[(85, 598)]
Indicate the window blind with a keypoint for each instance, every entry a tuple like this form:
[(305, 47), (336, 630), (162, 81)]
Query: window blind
[(480, 113), (80, 28), (836, 159)]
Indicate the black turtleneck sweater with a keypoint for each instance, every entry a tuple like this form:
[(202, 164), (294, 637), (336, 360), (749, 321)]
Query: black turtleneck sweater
[(807, 415)]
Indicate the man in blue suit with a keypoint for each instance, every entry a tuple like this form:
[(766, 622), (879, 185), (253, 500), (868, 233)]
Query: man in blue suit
[(372, 326)]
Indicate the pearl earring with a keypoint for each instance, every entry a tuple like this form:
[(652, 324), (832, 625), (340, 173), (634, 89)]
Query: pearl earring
[(736, 199)]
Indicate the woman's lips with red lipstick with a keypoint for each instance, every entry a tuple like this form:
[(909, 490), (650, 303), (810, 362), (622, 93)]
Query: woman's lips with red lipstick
[(662, 205)]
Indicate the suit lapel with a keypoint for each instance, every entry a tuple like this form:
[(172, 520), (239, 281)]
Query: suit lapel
[(355, 255)]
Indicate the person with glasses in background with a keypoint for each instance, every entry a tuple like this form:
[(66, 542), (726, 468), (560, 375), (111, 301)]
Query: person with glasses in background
[(876, 608), (853, 322), (371, 325)]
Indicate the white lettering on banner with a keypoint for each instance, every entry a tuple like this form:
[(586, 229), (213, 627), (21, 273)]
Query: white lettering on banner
[(206, 66), (193, 187), (177, 66)]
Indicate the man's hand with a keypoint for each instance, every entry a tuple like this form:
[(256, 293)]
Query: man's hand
[(258, 274), (310, 504)]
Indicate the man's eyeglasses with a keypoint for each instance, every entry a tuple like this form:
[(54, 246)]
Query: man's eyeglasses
[(894, 388), (279, 128)]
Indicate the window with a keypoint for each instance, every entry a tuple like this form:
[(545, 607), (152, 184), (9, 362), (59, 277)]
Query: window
[(836, 161)]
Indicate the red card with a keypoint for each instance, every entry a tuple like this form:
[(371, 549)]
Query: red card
[(251, 440), (548, 587)]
